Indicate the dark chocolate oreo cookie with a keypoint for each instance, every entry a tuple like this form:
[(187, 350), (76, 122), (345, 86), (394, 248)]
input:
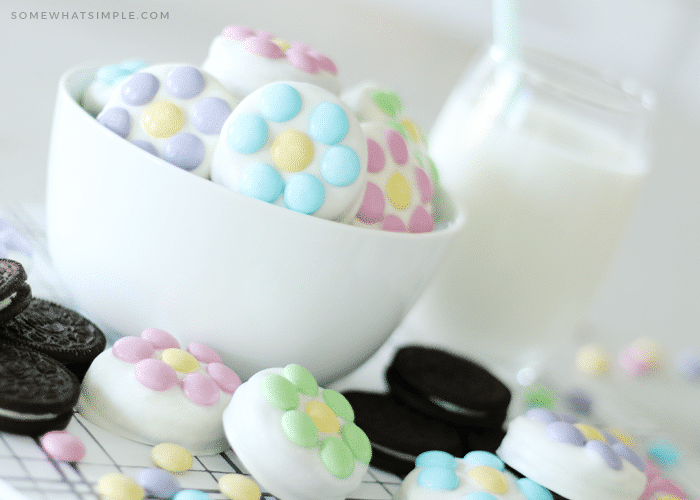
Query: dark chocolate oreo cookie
[(15, 292), (37, 393), (447, 387), (397, 434), (56, 331)]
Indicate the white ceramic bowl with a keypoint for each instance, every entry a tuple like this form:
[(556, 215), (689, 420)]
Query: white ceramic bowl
[(140, 243)]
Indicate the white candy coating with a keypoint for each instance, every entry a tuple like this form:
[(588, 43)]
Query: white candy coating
[(253, 428), (230, 167), (242, 72), (112, 398), (571, 471), (139, 113)]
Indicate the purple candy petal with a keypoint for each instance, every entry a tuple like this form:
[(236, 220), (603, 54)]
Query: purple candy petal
[(140, 89), (609, 438), (628, 454), (209, 115), (542, 415), (564, 432), (117, 120), (146, 146), (184, 150), (185, 82), (606, 452)]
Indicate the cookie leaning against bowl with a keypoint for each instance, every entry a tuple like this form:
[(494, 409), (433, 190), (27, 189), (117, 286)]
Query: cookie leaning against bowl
[(37, 393), (15, 292), (58, 332), (448, 387)]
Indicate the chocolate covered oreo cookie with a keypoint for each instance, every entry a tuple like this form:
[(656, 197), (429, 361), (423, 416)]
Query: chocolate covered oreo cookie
[(55, 331), (15, 292), (37, 393), (449, 388), (398, 434)]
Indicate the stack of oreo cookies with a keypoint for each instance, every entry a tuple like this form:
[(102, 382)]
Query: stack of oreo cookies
[(436, 401), (45, 350)]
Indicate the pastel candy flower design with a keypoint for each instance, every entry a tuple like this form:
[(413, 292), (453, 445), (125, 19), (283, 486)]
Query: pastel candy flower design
[(317, 418)]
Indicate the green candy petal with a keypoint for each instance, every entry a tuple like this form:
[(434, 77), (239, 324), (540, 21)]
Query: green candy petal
[(300, 429), (358, 442), (340, 406), (280, 392), (301, 378), (337, 457), (388, 102)]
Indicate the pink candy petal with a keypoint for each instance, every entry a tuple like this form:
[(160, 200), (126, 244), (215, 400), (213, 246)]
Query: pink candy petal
[(225, 377), (372, 208), (375, 157), (393, 223), (425, 185), (397, 146), (236, 33), (159, 339), (421, 221), (155, 374), (262, 46), (200, 389), (324, 62), (300, 59), (132, 349), (203, 353), (62, 445)]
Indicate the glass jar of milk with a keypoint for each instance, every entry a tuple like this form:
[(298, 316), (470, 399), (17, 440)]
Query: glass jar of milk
[(547, 160)]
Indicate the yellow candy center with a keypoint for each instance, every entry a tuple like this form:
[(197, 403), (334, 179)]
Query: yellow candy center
[(162, 119), (411, 129), (324, 418), (591, 433), (282, 44), (489, 479), (398, 190), (292, 151), (180, 360)]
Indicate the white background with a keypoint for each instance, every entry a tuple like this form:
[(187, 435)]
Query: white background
[(419, 48)]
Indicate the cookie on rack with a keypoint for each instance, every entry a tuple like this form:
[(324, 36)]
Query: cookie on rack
[(15, 292), (480, 475), (150, 390), (572, 459), (298, 440)]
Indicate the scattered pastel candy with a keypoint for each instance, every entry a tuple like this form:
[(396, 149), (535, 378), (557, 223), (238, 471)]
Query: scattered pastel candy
[(244, 60), (62, 445), (663, 453), (297, 146), (98, 93), (399, 192), (579, 401), (593, 360), (160, 392), (688, 364), (171, 457), (117, 486), (641, 357), (158, 483), (191, 495), (540, 397), (12, 241), (239, 487), (173, 111)]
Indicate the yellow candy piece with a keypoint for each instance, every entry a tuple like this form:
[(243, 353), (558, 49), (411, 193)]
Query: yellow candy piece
[(292, 151), (117, 486), (669, 497), (488, 478), (591, 433), (398, 190), (324, 418), (180, 360), (162, 119), (239, 487), (282, 44), (171, 457), (593, 360), (411, 129), (623, 437)]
